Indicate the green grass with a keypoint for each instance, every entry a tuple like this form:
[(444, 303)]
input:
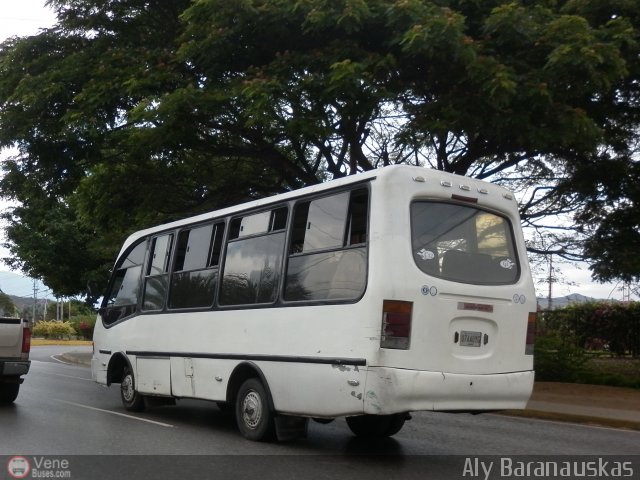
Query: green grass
[(39, 342), (614, 371)]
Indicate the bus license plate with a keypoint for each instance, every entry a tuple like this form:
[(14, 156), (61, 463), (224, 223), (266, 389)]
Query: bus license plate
[(470, 339)]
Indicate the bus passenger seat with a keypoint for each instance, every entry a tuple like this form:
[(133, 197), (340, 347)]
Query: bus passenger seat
[(467, 267)]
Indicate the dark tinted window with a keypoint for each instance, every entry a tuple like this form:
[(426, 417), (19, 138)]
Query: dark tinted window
[(193, 289), (338, 275), (253, 265), (252, 270), (122, 299), (195, 276), (157, 280), (325, 261), (463, 244)]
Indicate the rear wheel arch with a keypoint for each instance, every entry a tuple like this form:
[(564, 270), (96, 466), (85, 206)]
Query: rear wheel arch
[(240, 374)]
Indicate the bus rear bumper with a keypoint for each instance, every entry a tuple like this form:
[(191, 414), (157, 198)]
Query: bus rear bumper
[(393, 390)]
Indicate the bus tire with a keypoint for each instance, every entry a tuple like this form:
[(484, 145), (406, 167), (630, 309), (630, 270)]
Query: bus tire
[(254, 416), (376, 426), (131, 399), (8, 393)]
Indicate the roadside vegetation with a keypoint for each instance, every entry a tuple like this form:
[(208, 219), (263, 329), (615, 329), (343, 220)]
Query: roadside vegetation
[(596, 343), (76, 329)]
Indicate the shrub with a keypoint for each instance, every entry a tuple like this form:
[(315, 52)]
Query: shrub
[(558, 359), (84, 325), (53, 329), (614, 327)]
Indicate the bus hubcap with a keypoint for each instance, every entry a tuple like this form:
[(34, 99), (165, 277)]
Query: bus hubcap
[(127, 388), (251, 410)]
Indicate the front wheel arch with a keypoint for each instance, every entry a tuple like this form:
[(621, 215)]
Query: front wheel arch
[(118, 363)]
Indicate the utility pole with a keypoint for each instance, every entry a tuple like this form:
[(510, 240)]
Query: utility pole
[(550, 299), (35, 301)]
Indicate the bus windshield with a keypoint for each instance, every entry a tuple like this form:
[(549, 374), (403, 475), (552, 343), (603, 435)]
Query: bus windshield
[(463, 244)]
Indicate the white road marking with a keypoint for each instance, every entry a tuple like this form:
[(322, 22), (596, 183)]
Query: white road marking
[(60, 361), (114, 413)]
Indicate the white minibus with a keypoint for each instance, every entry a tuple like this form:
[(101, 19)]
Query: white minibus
[(397, 290)]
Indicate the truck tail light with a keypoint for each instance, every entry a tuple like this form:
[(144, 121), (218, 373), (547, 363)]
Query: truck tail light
[(26, 340), (531, 334), (396, 324)]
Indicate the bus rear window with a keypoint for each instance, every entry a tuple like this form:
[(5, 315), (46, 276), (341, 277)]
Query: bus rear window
[(463, 244)]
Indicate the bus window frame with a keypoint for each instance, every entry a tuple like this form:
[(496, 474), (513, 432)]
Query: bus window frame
[(365, 185), (136, 311), (497, 213), (227, 240), (224, 222)]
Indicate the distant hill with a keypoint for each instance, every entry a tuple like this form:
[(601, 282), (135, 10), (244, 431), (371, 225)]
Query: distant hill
[(26, 302), (571, 299), (25, 306)]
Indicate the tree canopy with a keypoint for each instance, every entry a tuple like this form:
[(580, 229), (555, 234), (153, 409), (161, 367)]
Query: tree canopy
[(129, 113)]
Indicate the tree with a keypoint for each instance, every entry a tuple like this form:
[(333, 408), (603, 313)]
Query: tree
[(7, 307), (129, 113)]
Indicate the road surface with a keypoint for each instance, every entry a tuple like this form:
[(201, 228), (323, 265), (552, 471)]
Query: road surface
[(62, 413)]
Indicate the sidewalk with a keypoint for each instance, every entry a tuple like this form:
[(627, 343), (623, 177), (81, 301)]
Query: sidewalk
[(592, 404)]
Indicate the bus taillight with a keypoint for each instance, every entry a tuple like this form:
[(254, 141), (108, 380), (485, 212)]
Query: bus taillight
[(26, 340), (531, 334), (396, 324)]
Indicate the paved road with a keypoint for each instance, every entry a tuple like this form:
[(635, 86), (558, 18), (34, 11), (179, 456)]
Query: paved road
[(60, 411)]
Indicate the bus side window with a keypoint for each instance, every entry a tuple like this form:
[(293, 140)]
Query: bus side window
[(157, 278), (253, 263), (328, 248), (122, 298), (195, 271), (325, 223)]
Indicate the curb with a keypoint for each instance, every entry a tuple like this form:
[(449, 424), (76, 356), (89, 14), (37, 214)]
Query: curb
[(77, 358), (572, 418)]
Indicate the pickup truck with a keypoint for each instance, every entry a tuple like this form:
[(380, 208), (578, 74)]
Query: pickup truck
[(15, 344)]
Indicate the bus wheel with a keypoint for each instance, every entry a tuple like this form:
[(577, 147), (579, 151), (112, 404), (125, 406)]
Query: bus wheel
[(253, 415), (373, 426), (8, 392), (131, 399)]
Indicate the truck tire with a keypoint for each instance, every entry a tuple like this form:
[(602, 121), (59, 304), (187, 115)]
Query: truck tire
[(8, 392)]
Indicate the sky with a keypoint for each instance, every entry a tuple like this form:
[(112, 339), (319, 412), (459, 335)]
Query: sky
[(26, 17), (21, 18)]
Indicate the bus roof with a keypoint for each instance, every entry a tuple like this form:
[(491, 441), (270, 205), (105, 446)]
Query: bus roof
[(380, 173)]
